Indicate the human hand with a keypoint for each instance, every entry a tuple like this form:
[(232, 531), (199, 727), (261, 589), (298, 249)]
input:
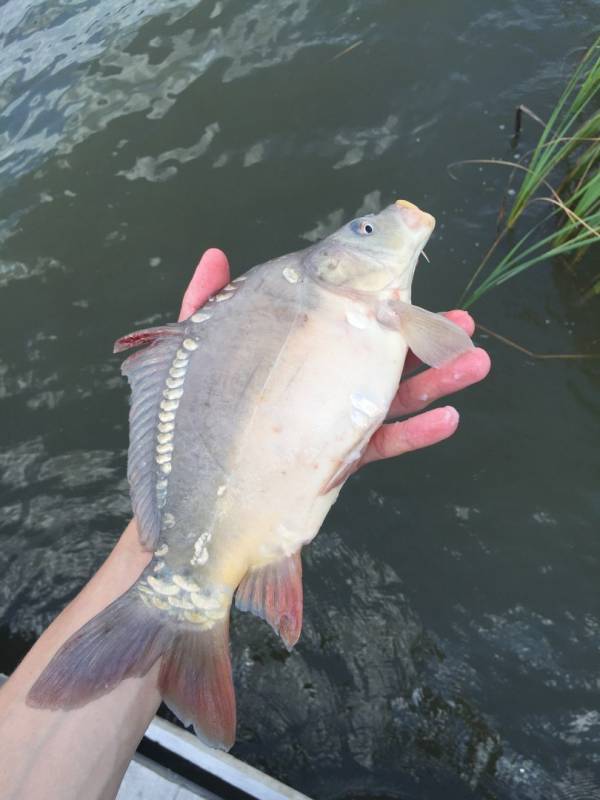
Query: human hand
[(414, 394), (418, 391)]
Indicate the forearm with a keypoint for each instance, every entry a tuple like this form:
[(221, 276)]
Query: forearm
[(82, 752)]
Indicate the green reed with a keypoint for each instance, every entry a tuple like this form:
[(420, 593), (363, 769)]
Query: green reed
[(567, 156)]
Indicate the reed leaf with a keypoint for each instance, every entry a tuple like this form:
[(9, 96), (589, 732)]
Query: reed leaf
[(568, 154)]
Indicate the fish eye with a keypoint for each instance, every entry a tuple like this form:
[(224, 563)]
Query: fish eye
[(362, 227)]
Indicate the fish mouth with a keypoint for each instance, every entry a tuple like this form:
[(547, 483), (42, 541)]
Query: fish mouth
[(414, 218)]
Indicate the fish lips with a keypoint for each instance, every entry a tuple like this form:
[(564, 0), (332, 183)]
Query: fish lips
[(414, 218)]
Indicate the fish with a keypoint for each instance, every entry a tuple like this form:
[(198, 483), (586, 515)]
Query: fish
[(245, 422)]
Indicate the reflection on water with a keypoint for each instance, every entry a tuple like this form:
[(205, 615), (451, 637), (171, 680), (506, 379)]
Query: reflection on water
[(452, 618)]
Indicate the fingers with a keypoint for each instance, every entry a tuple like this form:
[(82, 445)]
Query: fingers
[(211, 274), (397, 438), (418, 391), (459, 317)]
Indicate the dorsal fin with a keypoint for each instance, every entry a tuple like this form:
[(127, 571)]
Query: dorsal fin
[(147, 371), (274, 593), (146, 336)]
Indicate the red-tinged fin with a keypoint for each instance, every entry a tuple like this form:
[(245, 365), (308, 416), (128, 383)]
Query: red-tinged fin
[(274, 593), (138, 338), (124, 641), (196, 683)]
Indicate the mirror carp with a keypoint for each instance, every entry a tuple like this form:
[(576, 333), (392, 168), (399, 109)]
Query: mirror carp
[(246, 419)]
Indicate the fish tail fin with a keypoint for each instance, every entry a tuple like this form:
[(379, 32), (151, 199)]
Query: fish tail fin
[(124, 641), (120, 642), (196, 683)]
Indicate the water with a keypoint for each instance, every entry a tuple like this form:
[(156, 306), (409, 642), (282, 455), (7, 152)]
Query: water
[(452, 628)]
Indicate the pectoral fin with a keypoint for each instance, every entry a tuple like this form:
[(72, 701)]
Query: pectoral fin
[(431, 337), (348, 464)]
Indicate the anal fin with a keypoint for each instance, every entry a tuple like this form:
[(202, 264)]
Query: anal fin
[(274, 593)]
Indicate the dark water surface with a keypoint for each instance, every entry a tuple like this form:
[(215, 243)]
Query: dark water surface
[(452, 634)]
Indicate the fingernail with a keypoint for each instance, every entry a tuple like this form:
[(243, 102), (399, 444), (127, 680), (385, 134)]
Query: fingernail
[(451, 415)]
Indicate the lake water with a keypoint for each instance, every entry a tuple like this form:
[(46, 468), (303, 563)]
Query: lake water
[(452, 622)]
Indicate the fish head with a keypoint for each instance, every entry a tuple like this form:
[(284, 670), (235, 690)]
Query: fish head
[(375, 253)]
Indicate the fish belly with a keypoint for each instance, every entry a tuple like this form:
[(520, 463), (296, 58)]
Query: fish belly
[(329, 391)]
